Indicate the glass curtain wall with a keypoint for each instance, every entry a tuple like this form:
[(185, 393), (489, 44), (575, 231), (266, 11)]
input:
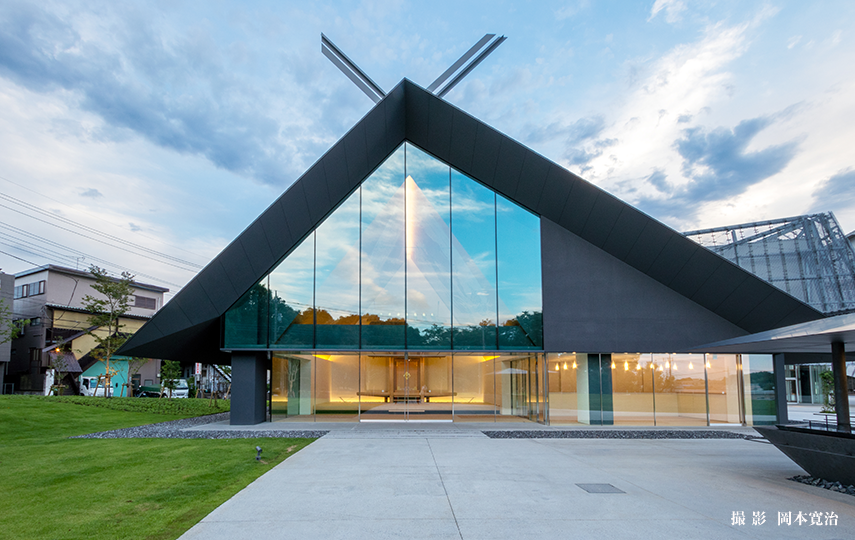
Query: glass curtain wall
[(660, 389), (418, 257), (418, 386)]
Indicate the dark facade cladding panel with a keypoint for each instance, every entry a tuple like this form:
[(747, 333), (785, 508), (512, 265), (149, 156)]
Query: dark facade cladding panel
[(276, 228), (147, 333), (602, 219), (556, 189), (650, 242), (533, 177), (439, 129), (800, 313), (314, 184), (296, 212), (171, 318), (578, 207), (746, 297), (335, 171), (509, 167), (625, 232), (396, 117), (719, 286), (463, 131), (418, 116), (195, 303), (696, 272), (217, 285), (238, 268), (375, 136), (676, 253), (487, 144), (198, 343), (254, 241), (356, 149), (615, 307)]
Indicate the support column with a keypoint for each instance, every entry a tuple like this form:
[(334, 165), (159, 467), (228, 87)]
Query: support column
[(249, 388), (841, 388), (782, 416)]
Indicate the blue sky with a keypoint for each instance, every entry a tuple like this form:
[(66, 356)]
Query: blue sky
[(172, 125)]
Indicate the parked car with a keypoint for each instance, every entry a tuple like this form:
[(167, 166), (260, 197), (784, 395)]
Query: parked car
[(182, 390), (89, 386)]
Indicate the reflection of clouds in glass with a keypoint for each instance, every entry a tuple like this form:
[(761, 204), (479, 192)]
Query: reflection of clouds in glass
[(293, 279)]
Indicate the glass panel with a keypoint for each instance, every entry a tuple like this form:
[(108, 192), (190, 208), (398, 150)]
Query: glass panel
[(474, 388), (632, 390), (722, 377), (382, 263), (562, 369), (292, 298), (758, 375), (291, 387), (473, 263), (680, 390), (428, 233), (246, 321), (337, 278), (436, 391), (336, 387), (375, 385), (519, 283)]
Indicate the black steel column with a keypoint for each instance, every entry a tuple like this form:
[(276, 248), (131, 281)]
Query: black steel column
[(841, 388), (249, 388), (780, 389)]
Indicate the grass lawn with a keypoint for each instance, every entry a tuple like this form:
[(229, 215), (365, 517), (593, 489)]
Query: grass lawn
[(55, 487)]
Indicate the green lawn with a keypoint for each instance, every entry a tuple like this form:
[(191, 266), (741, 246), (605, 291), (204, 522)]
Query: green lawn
[(55, 487)]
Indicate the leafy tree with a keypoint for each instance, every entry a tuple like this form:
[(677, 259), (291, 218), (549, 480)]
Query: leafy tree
[(9, 329), (827, 388), (170, 371), (106, 313), (59, 364)]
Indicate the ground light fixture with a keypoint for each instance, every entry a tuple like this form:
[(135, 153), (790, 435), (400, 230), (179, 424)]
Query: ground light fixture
[(258, 453)]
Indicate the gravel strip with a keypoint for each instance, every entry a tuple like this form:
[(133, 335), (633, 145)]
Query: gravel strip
[(615, 434), (175, 430), (825, 484)]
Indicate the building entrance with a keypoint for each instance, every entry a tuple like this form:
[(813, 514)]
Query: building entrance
[(407, 387)]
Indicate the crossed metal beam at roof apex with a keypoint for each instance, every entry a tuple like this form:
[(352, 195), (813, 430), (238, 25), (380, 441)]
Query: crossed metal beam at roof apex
[(462, 67)]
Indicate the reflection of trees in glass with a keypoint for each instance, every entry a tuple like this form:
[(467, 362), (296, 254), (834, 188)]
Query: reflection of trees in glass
[(524, 330)]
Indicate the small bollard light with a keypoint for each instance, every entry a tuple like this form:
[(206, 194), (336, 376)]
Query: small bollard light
[(258, 455)]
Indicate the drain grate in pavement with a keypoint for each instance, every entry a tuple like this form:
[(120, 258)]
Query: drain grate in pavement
[(600, 488)]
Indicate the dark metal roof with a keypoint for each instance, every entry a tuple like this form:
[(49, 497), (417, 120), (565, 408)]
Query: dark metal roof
[(809, 337), (187, 327)]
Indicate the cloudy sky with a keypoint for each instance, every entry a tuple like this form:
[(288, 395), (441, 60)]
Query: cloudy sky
[(147, 135)]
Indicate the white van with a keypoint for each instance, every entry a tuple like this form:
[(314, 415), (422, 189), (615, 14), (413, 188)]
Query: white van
[(88, 387)]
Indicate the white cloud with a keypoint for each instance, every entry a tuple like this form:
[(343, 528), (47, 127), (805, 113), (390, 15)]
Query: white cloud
[(673, 10)]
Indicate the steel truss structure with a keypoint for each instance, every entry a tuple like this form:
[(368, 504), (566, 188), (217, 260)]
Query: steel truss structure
[(807, 256)]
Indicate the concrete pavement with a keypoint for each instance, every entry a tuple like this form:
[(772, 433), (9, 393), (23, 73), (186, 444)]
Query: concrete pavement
[(422, 481)]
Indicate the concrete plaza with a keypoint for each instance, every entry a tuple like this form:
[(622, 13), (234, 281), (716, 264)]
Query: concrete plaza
[(452, 482)]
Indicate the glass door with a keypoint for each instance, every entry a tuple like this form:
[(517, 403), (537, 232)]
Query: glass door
[(406, 387)]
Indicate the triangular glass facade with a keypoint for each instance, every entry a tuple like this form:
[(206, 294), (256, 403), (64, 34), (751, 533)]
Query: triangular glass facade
[(418, 257)]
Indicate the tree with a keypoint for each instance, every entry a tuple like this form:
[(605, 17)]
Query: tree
[(134, 365), (170, 370), (9, 329), (106, 313), (59, 364)]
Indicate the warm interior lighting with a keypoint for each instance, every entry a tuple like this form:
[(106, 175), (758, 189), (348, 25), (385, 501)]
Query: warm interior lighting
[(691, 366), (626, 366), (613, 364), (556, 366), (322, 356), (667, 364), (637, 367), (708, 365), (492, 357), (565, 364), (574, 364), (661, 368)]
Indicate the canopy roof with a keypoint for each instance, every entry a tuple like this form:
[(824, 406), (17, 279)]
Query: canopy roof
[(188, 326), (809, 337)]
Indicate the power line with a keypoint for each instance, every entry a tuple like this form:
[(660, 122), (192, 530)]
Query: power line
[(157, 239), (90, 230)]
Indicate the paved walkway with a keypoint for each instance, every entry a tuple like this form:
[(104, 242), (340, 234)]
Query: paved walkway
[(451, 482)]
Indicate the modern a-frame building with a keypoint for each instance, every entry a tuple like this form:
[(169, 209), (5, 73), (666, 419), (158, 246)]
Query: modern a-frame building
[(429, 267)]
